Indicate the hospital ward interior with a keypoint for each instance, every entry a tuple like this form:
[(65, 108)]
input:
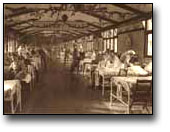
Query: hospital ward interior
[(77, 59)]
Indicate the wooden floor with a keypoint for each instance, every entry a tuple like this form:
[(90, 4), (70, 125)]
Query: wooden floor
[(61, 92)]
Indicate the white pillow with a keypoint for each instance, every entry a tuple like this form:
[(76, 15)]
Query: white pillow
[(148, 67), (136, 70)]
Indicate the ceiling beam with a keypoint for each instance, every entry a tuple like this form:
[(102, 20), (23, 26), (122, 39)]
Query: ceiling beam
[(93, 25), (28, 33), (76, 33), (63, 35), (90, 24), (21, 22), (53, 23), (90, 31), (70, 29), (127, 22), (18, 13), (59, 33), (80, 31), (137, 18), (99, 17), (21, 29), (73, 34), (14, 9), (67, 33), (128, 8)]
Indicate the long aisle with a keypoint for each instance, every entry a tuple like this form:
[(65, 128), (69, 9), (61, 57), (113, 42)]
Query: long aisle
[(60, 91)]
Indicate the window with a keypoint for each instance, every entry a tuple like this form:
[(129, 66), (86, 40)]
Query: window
[(115, 40), (148, 40), (110, 40), (115, 44), (111, 44), (149, 51), (90, 43), (11, 43), (104, 45)]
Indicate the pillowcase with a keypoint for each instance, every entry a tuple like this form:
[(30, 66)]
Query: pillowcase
[(148, 68), (136, 71)]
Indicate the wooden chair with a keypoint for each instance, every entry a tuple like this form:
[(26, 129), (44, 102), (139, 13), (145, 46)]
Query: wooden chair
[(142, 94)]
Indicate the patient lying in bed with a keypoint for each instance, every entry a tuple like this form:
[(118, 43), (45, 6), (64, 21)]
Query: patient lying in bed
[(114, 65)]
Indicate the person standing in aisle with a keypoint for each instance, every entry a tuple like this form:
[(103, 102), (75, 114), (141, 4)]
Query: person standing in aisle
[(66, 56), (75, 59)]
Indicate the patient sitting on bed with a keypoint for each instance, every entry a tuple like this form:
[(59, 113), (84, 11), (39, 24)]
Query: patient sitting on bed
[(14, 66), (18, 68), (111, 64), (130, 64)]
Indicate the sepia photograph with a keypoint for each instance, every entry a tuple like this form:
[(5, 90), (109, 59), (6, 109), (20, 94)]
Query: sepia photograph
[(77, 58)]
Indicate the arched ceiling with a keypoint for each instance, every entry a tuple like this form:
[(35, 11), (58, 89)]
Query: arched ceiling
[(71, 20)]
